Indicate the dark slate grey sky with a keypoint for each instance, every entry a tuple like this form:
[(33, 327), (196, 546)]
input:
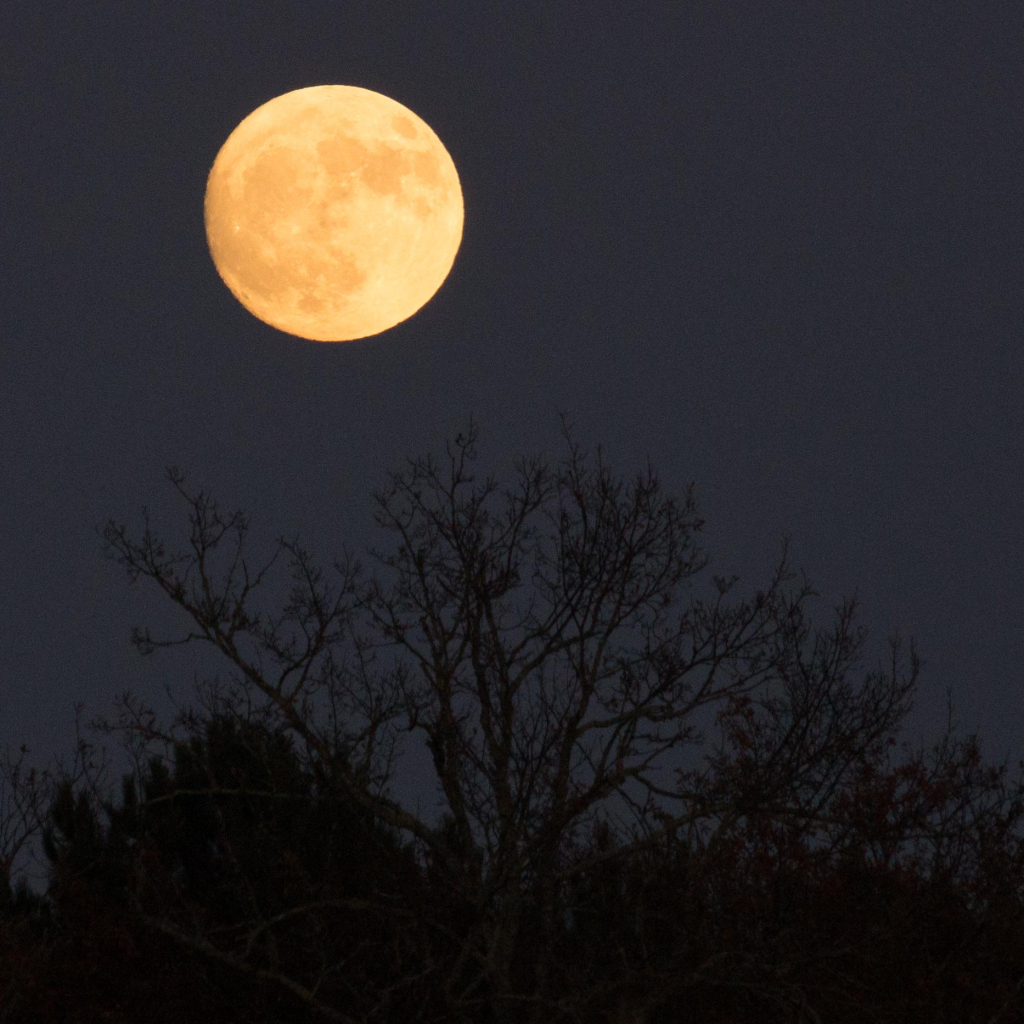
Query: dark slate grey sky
[(776, 247)]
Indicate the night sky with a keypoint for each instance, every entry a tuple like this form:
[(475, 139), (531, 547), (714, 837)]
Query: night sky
[(775, 247)]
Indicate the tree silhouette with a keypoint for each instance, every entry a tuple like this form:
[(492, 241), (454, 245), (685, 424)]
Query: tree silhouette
[(169, 889), (548, 644)]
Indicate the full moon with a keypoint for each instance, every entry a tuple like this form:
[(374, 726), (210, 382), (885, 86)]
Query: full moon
[(333, 213)]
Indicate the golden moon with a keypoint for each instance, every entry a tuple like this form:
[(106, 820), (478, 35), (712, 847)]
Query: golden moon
[(333, 213)]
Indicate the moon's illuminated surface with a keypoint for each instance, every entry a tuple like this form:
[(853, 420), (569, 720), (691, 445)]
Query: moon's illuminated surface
[(333, 212)]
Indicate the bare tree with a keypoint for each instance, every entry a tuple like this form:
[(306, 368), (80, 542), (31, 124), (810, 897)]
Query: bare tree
[(24, 797), (547, 643)]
